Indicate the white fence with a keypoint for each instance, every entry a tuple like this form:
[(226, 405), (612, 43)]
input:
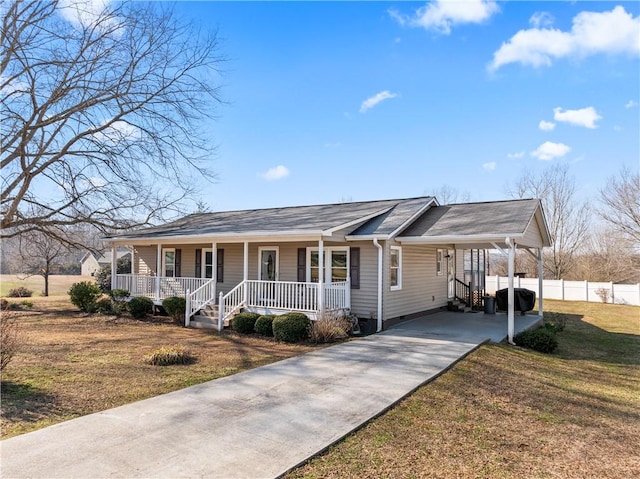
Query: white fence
[(571, 290)]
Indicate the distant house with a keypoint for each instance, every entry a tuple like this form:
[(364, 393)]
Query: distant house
[(390, 260), (90, 264)]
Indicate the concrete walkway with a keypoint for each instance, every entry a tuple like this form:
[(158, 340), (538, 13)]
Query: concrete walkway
[(255, 424)]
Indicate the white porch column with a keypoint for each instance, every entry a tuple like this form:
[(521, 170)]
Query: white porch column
[(540, 285), (320, 274), (245, 272), (114, 265), (214, 266), (158, 270), (511, 302)]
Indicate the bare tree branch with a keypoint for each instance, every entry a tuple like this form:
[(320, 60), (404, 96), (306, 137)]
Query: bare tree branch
[(621, 204), (105, 117)]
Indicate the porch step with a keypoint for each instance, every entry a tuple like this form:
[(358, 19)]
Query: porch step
[(456, 306), (205, 321)]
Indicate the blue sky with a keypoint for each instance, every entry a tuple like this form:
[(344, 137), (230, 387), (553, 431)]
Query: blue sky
[(328, 101)]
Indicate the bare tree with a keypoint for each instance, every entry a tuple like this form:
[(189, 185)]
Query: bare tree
[(447, 195), (567, 217), (104, 110), (40, 255), (621, 204), (607, 256)]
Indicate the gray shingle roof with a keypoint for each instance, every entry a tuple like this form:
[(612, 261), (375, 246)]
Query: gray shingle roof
[(298, 219), (498, 217)]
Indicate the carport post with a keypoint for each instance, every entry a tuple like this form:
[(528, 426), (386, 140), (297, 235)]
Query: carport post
[(114, 265), (540, 284), (511, 302)]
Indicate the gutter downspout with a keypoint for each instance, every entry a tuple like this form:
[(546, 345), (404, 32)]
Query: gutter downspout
[(380, 255), (511, 302)]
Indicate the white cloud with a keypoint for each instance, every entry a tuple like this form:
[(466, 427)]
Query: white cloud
[(546, 125), (489, 166), (85, 13), (614, 32), (118, 132), (441, 15), (276, 173), (541, 19), (631, 104), (513, 156), (375, 99), (586, 117), (549, 150)]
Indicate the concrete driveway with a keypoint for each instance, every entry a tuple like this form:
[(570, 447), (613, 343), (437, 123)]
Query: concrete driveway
[(474, 327), (255, 424)]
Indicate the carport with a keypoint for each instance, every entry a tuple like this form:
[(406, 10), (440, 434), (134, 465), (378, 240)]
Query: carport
[(469, 326), (503, 226)]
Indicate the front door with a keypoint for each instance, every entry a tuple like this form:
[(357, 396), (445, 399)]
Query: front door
[(268, 269), (451, 274)]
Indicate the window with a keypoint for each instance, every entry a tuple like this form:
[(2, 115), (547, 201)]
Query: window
[(395, 267), (207, 264), (169, 262), (335, 268), (439, 261)]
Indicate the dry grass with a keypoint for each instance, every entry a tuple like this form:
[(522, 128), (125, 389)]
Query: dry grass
[(75, 364), (58, 284), (506, 412)]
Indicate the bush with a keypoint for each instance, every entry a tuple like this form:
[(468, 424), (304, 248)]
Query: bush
[(140, 306), (103, 305), (264, 325), (84, 295), (10, 338), (540, 340), (330, 327), (20, 292), (167, 356), (291, 327), (175, 306), (4, 304), (26, 303), (554, 322), (244, 322), (118, 300)]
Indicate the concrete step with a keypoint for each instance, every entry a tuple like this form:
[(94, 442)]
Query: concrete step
[(204, 321)]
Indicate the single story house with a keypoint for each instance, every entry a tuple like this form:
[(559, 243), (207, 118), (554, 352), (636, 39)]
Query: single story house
[(390, 260), (90, 264)]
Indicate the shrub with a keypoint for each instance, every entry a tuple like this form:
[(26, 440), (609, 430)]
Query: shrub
[(10, 338), (103, 305), (244, 322), (118, 300), (26, 303), (264, 325), (291, 327), (140, 306), (175, 306), (540, 340), (330, 327), (4, 304), (20, 292), (554, 322), (169, 355), (84, 295)]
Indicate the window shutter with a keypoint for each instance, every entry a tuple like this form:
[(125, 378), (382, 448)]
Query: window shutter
[(198, 263), (302, 265), (354, 267), (178, 262), (220, 266)]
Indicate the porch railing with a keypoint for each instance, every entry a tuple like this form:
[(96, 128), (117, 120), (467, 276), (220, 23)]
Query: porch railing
[(463, 292), (158, 287), (198, 299)]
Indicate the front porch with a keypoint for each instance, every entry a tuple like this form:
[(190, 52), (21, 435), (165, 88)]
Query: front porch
[(265, 297)]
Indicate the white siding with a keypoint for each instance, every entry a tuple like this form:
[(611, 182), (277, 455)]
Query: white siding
[(532, 236)]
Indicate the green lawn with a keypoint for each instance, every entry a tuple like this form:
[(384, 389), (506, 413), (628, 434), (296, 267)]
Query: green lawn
[(507, 412)]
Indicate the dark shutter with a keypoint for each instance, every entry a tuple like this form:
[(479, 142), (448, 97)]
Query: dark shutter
[(220, 266), (178, 262), (198, 263), (354, 267), (302, 265)]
